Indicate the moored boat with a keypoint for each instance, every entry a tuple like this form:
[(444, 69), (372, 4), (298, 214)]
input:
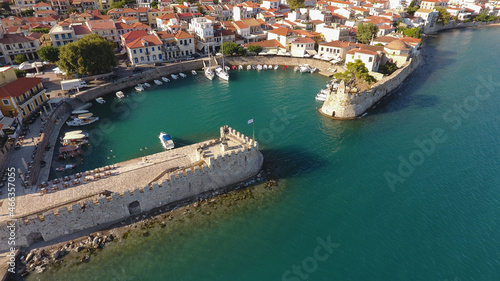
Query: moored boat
[(194, 72), (166, 141), (82, 119), (65, 167), (100, 100), (158, 82), (174, 76), (264, 67), (182, 75), (209, 73), (276, 67), (222, 74), (76, 112), (165, 79), (147, 84), (296, 68), (249, 67), (240, 67), (74, 139), (139, 88), (120, 95), (259, 67), (320, 97), (69, 151)]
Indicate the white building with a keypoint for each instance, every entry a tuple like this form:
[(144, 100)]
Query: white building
[(145, 50)]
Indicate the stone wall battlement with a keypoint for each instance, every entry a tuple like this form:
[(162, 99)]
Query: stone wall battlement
[(217, 171)]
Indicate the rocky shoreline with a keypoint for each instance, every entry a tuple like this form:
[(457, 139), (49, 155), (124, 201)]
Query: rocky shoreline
[(31, 262)]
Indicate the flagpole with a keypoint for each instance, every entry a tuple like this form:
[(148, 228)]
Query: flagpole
[(253, 129)]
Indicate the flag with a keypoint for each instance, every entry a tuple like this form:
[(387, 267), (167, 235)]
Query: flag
[(250, 121)]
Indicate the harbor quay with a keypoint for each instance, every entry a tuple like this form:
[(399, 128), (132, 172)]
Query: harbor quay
[(115, 192)]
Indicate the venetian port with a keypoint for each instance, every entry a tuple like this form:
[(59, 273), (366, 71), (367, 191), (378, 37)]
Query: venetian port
[(407, 192)]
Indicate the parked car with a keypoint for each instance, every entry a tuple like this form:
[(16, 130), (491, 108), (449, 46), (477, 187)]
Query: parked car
[(195, 55)]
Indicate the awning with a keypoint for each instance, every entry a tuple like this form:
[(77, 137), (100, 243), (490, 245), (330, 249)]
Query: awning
[(311, 52)]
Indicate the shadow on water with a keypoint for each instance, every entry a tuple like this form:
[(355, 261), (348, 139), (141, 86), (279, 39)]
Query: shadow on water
[(291, 161), (405, 96)]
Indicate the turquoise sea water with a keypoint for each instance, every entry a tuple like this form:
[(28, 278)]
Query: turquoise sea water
[(439, 220)]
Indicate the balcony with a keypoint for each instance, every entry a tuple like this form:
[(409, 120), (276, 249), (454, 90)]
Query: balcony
[(31, 97)]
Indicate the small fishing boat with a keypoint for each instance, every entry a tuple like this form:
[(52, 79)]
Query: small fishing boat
[(65, 167), (227, 68), (259, 67), (254, 67), (174, 76), (147, 84), (139, 88), (249, 67), (75, 139), (276, 67), (233, 67), (82, 119), (264, 67), (194, 72), (296, 68), (76, 112), (240, 67), (100, 100), (166, 141), (313, 69), (69, 151), (158, 82), (182, 75), (120, 95), (165, 79)]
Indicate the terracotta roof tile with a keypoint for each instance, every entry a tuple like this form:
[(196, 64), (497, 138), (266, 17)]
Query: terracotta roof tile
[(18, 87)]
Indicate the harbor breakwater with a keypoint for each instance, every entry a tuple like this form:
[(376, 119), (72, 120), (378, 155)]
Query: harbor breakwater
[(341, 103), (215, 164)]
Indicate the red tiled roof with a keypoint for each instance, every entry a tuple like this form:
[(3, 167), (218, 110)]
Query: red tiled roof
[(282, 31), (101, 24), (337, 44), (151, 39), (18, 87), (183, 35), (81, 29), (303, 40), (267, 44), (362, 51), (132, 35)]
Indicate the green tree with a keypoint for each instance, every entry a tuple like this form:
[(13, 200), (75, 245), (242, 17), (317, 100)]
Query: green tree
[(413, 32), (20, 59), (5, 9), (41, 30), (412, 8), (90, 55), (154, 4), (355, 71), (365, 32), (295, 4), (443, 16), (48, 53), (255, 48), (20, 73), (27, 13), (231, 48), (388, 68)]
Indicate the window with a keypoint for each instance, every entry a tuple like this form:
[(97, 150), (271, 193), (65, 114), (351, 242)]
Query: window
[(36, 102), (135, 52), (6, 102), (142, 58), (63, 36), (154, 57), (322, 49), (18, 99), (140, 51), (158, 48), (32, 45), (20, 45), (136, 60), (370, 59), (8, 47), (57, 36), (69, 35), (159, 57), (58, 43)]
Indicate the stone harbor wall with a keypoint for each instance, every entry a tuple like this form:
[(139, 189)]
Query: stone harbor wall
[(455, 24), (278, 60), (123, 83), (342, 104), (209, 173)]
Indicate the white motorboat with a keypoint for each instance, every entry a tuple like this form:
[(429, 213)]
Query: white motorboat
[(100, 100), (259, 67), (249, 67), (165, 79), (120, 95), (313, 69), (194, 72), (227, 68), (209, 73), (182, 75), (305, 68), (264, 67), (82, 119), (139, 88), (276, 67), (296, 68), (166, 141), (174, 76), (76, 112), (320, 97), (222, 74), (158, 82), (74, 139), (147, 85), (240, 67)]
